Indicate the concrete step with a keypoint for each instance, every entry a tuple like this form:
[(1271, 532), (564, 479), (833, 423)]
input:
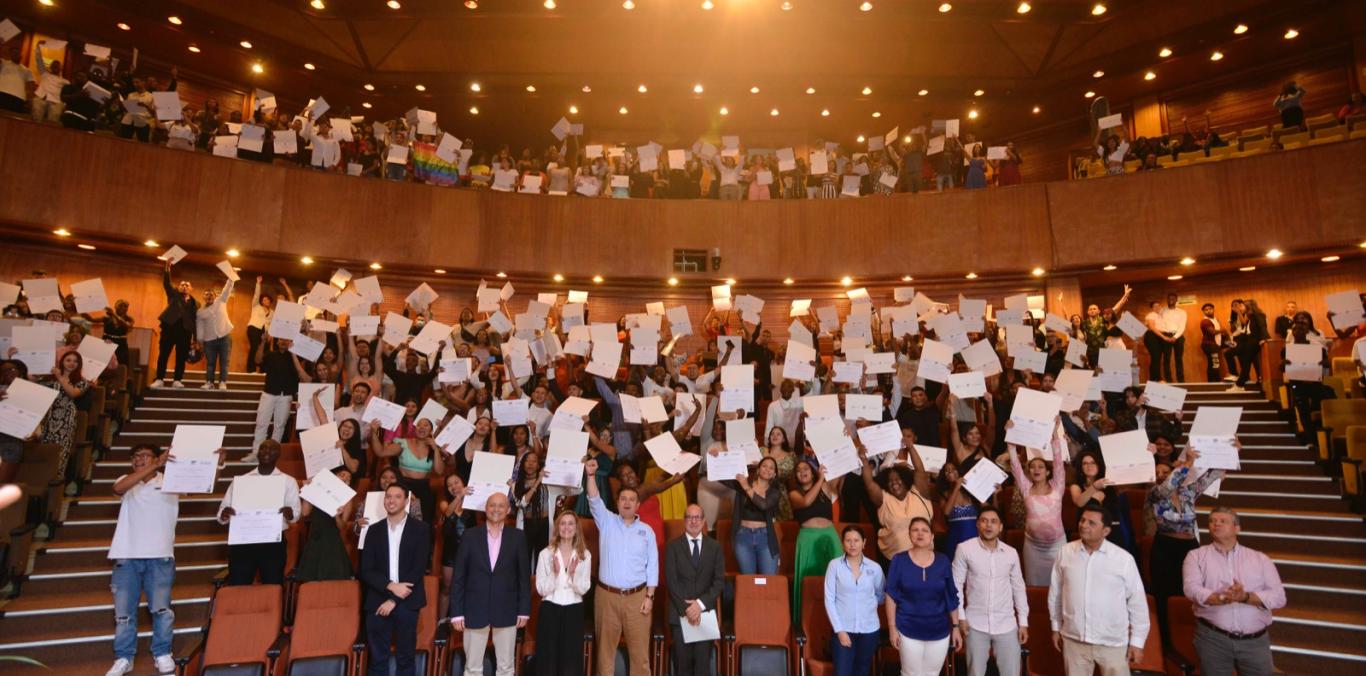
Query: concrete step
[(68, 555), (45, 584), (107, 507), (81, 529), (1271, 483), (58, 616), (1288, 541), (1307, 522)]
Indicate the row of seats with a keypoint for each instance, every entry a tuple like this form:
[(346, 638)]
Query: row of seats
[(1324, 129)]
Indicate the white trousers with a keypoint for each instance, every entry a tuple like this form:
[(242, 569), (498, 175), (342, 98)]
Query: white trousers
[(922, 658), (273, 408)]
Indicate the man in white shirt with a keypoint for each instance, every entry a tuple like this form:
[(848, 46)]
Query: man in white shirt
[(991, 586), (786, 411), (360, 398), (244, 561), (1096, 603), (1174, 327), (214, 330), (143, 552), (47, 99), (16, 81)]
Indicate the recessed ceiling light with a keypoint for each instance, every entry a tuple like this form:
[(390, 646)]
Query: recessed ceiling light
[(441, 271), (642, 89), (1164, 52), (420, 87), (622, 110), (971, 275), (376, 266), (923, 92), (474, 87), (1150, 75), (979, 92), (62, 232), (193, 49), (123, 26), (789, 281), (474, 110), (318, 4), (906, 278), (368, 87), (1173, 277), (773, 112), (811, 90), (597, 279), (725, 110), (531, 88), (366, 105), (754, 90), (1362, 245), (1035, 110), (786, 6), (233, 253), (1240, 29), (825, 112), (730, 281), (87, 247), (558, 277), (861, 139), (707, 4), (587, 89), (866, 7), (1098, 10), (697, 88), (1217, 55), (877, 113), (548, 4), (501, 275), (573, 110), (1273, 254), (907, 139), (1247, 268), (1023, 8), (257, 68), (393, 4), (972, 114), (1098, 74), (1110, 268), (846, 280), (1188, 261), (945, 7), (309, 66), (151, 244), (1037, 272), (628, 5), (246, 44), (867, 91), (175, 20), (1331, 259), (1291, 34), (1089, 94), (306, 260), (673, 281)]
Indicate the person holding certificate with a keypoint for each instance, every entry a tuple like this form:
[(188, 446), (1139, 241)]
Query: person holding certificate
[(813, 506), (752, 529), (418, 459), (324, 555), (695, 575), (177, 325), (266, 558), (1171, 501), (897, 496), (971, 439), (59, 427), (627, 578), (1042, 490)]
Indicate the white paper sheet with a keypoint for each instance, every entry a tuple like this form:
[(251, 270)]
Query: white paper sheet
[(981, 481), (707, 629), (489, 474), (1131, 327), (1127, 458), (327, 492), (510, 412), (1346, 309), (389, 414), (319, 446), (881, 438), (564, 457), (863, 406), (1033, 416), (968, 385), (669, 456), (1164, 397), (932, 457), (452, 437)]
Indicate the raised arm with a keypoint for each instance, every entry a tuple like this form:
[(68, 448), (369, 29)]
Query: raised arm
[(1119, 305)]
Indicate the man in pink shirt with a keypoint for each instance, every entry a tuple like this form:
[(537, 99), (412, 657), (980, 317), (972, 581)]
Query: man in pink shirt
[(1234, 590), (995, 615), (491, 588)]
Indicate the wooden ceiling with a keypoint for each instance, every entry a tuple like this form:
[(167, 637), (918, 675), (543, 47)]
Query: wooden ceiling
[(901, 47)]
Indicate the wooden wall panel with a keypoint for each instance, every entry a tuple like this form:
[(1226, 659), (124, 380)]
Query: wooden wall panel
[(1046, 152), (1247, 102)]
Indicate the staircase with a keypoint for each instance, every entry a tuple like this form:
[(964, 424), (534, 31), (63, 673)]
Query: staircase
[(64, 616), (1292, 511)]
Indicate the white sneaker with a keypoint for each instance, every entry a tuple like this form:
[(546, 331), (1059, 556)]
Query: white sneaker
[(165, 664), (222, 386), (178, 384), (155, 384), (1230, 379), (250, 458), (1235, 388), (207, 386), (121, 666)]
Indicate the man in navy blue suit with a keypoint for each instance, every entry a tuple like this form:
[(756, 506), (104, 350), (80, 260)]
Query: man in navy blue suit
[(491, 588), (391, 568)]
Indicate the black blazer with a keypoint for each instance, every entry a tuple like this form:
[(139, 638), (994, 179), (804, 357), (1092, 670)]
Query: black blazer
[(494, 596), (179, 309), (684, 581), (413, 552)]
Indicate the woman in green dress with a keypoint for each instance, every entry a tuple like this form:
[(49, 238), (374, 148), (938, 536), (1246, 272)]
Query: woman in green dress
[(813, 500), (324, 556)]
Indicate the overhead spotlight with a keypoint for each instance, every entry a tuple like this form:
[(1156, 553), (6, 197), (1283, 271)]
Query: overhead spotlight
[(548, 4), (1110, 268), (622, 110), (789, 281), (318, 4), (1216, 56), (877, 113), (597, 279), (469, 4), (376, 266), (306, 260), (474, 87), (558, 277), (1240, 29), (861, 139), (825, 112), (1164, 52), (725, 110), (233, 253), (1098, 10), (906, 139), (175, 20), (1035, 110), (1098, 74), (867, 91), (697, 88), (367, 105), (1273, 254), (773, 112), (971, 275), (1023, 8), (945, 7), (87, 247), (257, 68), (707, 4), (442, 271), (151, 244), (368, 87), (193, 49), (1331, 259), (979, 92), (246, 44), (1173, 278), (309, 66), (730, 281), (866, 7), (531, 88), (1150, 75), (923, 92), (785, 6), (754, 90), (628, 5), (642, 89), (1247, 268), (573, 110), (972, 114), (846, 281), (474, 110), (587, 89), (123, 26), (673, 281), (420, 87), (1037, 272), (1188, 261), (1291, 34), (394, 4), (501, 275), (1089, 94), (907, 278), (62, 232)]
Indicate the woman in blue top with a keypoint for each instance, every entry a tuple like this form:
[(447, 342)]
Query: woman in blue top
[(854, 587), (922, 604), (959, 507)]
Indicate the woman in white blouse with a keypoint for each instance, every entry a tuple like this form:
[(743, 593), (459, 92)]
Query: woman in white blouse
[(563, 576)]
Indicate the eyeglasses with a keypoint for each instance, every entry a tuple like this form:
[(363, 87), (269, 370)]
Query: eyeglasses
[(693, 518)]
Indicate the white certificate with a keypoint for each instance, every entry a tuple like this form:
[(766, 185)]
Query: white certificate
[(1033, 416), (822, 406), (454, 370), (433, 411), (195, 467), (707, 629), (89, 296), (669, 456), (863, 406), (879, 362), (932, 457), (881, 438), (373, 511), (736, 400), (740, 437), (489, 474), (652, 409), (981, 481), (840, 460), (508, 412), (1031, 360), (1114, 382), (1131, 327), (570, 414), (935, 358), (387, 413), (800, 361), (306, 348), (396, 328), (254, 526), (306, 419), (1212, 434), (564, 457), (95, 356), (327, 492), (1074, 385), (320, 450), (968, 385), (454, 435), (726, 465), (981, 356), (1127, 458), (1346, 309), (34, 346), (430, 338), (849, 372), (1164, 397), (1115, 360)]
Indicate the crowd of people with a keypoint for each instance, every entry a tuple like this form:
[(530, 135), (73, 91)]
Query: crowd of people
[(938, 564)]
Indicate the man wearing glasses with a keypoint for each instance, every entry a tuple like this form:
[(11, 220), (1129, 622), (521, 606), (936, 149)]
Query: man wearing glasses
[(695, 572)]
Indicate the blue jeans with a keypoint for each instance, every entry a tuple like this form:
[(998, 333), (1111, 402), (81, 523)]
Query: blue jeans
[(944, 181), (857, 659), (130, 579), (395, 171), (751, 552), (216, 353)]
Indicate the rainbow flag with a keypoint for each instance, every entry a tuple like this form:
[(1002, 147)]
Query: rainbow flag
[(430, 169)]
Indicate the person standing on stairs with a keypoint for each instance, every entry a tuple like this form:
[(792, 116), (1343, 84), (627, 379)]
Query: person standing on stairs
[(244, 561), (177, 327), (214, 329), (283, 371), (143, 553)]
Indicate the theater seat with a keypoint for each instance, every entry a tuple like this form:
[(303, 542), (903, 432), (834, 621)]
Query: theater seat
[(326, 626), (763, 627), (239, 638), (813, 639), (1180, 658), (1044, 659), (1153, 663)]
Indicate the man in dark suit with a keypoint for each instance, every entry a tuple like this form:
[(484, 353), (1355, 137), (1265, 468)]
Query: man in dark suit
[(491, 588), (694, 573), (177, 327), (391, 568)]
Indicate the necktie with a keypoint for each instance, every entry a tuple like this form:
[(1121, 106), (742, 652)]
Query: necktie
[(696, 553)]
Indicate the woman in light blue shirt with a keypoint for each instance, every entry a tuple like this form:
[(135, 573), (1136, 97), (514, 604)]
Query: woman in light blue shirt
[(853, 591)]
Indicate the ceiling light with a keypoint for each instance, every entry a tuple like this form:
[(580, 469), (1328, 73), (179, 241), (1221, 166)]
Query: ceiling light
[(123, 26), (1217, 55), (548, 4), (846, 281), (1188, 261), (622, 110), (907, 139), (867, 91), (866, 7), (1111, 267), (861, 139), (474, 87), (673, 281), (1273, 254), (368, 87), (1362, 245), (531, 88), (697, 88), (754, 90), (877, 114), (246, 44), (1248, 268), (825, 112), (906, 278), (257, 68), (811, 90), (945, 7), (587, 89), (730, 281), (971, 275), (573, 110), (474, 110), (1173, 278), (309, 66), (972, 114), (1098, 10), (789, 281), (1240, 29), (375, 266), (87, 247), (151, 244), (420, 87), (1023, 8), (923, 92), (193, 49), (1331, 259), (393, 4), (773, 112), (725, 110), (45, 3), (175, 20), (1089, 94), (558, 277), (1150, 75), (501, 275), (1291, 34), (318, 4), (306, 260), (628, 5), (597, 279), (706, 4), (1164, 52), (979, 92), (1036, 110), (1037, 272), (442, 271), (785, 6), (1098, 74), (642, 89), (233, 253), (62, 232), (366, 105)]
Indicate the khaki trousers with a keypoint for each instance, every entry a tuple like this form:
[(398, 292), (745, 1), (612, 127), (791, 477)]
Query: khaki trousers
[(613, 616)]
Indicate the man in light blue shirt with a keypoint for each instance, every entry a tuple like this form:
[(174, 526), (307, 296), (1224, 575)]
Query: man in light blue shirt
[(854, 589), (628, 572)]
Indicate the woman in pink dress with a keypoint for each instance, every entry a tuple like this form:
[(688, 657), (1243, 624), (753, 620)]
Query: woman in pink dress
[(1042, 491)]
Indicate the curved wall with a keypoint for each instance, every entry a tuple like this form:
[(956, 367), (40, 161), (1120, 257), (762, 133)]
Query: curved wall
[(103, 186)]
